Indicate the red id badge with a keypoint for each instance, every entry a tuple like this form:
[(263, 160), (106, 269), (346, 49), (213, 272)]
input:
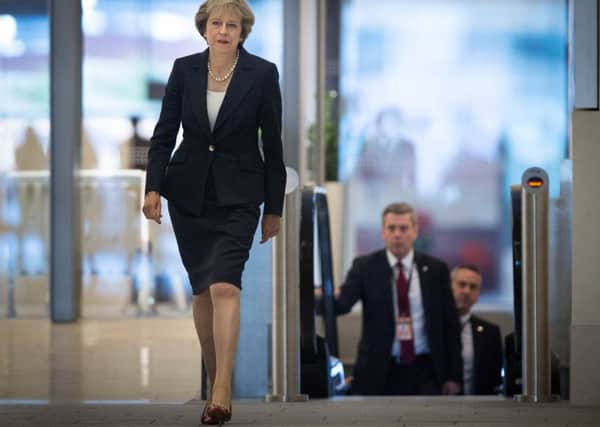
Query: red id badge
[(404, 330)]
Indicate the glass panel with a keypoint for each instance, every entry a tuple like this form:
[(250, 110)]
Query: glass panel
[(24, 135), (130, 265), (444, 104)]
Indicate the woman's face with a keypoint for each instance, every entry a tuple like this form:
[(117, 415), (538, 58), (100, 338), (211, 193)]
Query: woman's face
[(223, 30)]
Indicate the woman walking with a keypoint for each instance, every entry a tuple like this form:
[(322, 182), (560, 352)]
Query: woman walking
[(218, 177)]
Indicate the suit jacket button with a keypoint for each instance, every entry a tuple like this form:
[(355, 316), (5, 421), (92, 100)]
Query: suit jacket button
[(211, 148)]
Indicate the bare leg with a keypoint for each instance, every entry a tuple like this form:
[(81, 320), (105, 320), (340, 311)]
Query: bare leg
[(203, 320), (226, 328)]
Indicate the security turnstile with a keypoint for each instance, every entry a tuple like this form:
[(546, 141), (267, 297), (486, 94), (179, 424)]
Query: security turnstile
[(529, 368)]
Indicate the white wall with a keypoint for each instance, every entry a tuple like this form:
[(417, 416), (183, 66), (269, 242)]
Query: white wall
[(585, 324), (585, 154)]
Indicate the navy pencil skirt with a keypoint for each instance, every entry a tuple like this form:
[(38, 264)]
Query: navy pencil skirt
[(214, 246)]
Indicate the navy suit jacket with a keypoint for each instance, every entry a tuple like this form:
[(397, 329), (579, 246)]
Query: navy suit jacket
[(487, 356), (230, 152), (370, 280)]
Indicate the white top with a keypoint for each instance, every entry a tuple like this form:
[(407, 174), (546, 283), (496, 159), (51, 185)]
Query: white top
[(468, 354), (417, 312), (214, 99)]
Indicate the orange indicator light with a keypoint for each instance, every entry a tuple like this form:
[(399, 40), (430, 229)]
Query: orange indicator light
[(535, 182)]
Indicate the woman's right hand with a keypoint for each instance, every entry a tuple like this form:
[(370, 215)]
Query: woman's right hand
[(152, 208)]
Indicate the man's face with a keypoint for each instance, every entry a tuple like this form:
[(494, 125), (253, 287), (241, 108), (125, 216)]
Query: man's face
[(399, 233), (466, 286)]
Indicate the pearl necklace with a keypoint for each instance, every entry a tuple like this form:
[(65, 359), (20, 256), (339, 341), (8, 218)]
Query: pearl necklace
[(228, 74)]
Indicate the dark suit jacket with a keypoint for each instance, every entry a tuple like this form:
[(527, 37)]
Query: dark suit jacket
[(487, 357), (230, 152), (370, 280)]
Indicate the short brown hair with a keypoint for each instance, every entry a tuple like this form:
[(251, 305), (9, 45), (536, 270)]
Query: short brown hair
[(241, 6), (466, 266), (400, 209)]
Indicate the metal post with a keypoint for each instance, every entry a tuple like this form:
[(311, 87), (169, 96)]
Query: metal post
[(278, 330), (286, 301), (535, 334), (66, 43), (291, 84), (321, 61), (292, 284), (11, 272)]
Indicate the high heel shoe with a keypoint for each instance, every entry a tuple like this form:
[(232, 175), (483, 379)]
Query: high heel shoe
[(207, 419), (219, 413)]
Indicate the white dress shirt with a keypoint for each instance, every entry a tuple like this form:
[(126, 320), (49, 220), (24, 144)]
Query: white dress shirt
[(468, 353), (417, 312)]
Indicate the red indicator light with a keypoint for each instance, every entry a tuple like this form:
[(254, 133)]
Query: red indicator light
[(535, 182)]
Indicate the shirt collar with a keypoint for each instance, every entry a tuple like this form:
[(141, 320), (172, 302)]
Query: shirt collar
[(465, 318), (407, 261)]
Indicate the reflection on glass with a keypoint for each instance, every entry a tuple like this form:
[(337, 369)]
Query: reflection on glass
[(24, 132), (129, 48), (446, 116)]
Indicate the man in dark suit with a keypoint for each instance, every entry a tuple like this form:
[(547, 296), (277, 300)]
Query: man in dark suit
[(410, 342), (481, 342)]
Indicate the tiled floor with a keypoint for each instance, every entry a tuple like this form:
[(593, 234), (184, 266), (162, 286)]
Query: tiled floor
[(134, 372), (402, 412), (145, 359)]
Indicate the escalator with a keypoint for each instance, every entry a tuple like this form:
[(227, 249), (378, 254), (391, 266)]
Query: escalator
[(322, 373)]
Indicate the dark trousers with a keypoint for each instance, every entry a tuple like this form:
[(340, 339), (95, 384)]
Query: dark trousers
[(418, 378)]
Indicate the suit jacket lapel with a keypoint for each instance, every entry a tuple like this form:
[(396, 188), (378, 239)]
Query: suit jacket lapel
[(241, 82), (198, 91), (423, 270), (477, 330), (382, 269)]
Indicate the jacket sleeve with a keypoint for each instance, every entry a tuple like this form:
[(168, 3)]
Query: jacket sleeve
[(453, 339), (351, 290), (270, 117), (497, 353), (165, 132)]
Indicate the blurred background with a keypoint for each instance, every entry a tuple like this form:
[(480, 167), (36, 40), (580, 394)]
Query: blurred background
[(439, 103)]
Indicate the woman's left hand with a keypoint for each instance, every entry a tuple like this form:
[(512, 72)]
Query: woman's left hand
[(270, 226)]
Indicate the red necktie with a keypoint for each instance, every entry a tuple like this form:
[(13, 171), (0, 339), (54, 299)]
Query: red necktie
[(407, 347)]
